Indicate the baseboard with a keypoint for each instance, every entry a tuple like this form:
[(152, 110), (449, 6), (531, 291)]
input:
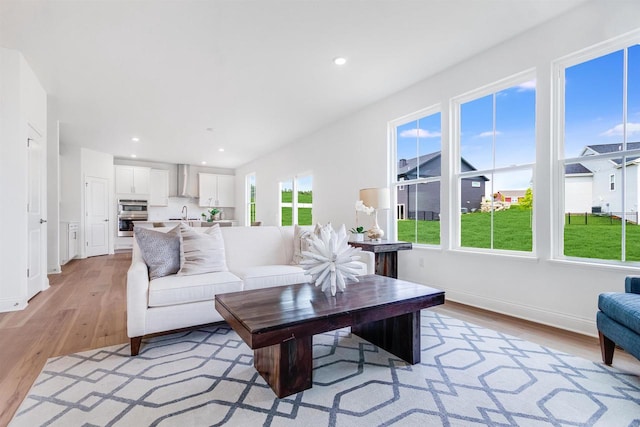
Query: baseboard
[(526, 312), (12, 304)]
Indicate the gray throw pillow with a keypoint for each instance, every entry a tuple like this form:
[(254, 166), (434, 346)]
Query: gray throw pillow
[(160, 251)]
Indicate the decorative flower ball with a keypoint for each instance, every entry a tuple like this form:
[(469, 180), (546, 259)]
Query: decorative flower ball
[(330, 261)]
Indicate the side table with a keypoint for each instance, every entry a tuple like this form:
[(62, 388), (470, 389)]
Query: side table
[(386, 253)]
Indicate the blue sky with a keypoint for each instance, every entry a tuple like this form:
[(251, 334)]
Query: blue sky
[(593, 115)]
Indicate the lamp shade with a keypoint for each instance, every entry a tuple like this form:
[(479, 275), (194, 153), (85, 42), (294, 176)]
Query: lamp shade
[(377, 198)]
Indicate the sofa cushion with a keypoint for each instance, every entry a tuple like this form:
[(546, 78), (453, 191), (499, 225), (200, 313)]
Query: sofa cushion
[(201, 252), (160, 250), (623, 308), (267, 276), (174, 289), (251, 246), (301, 242)]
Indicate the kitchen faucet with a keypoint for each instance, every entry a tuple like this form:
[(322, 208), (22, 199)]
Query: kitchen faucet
[(185, 213)]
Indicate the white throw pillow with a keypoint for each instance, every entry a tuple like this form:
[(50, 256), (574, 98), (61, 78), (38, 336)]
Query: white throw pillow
[(201, 252), (302, 238)]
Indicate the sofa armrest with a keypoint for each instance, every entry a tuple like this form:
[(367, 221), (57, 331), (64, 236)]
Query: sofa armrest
[(369, 259), (137, 298), (632, 284)]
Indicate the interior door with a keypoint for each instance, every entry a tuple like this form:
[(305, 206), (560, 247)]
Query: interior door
[(96, 216), (36, 214)]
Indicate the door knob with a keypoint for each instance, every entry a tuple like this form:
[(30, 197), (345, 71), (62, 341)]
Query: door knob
[(42, 220)]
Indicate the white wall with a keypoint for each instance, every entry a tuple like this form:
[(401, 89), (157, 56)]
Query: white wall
[(53, 194), (76, 164), (352, 154), (22, 104)]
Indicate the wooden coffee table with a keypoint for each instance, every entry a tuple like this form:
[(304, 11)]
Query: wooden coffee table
[(279, 323)]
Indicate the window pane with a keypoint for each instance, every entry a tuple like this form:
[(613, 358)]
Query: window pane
[(513, 213), (476, 133), (418, 150), (593, 103), (633, 97), (305, 200), (504, 219), (515, 137), (419, 213), (286, 200)]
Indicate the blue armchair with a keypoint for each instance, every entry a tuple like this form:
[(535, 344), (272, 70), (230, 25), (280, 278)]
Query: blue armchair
[(619, 320)]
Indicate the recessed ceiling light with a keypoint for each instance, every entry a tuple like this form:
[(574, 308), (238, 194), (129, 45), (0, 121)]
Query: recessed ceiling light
[(221, 150), (203, 162), (209, 129), (133, 156), (340, 60), (135, 139)]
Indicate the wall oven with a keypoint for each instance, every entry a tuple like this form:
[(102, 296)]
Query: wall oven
[(130, 211)]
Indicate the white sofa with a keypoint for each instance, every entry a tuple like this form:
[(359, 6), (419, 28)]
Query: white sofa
[(257, 257)]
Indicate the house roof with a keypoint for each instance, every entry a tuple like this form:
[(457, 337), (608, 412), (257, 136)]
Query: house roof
[(611, 148), (429, 165), (575, 169)]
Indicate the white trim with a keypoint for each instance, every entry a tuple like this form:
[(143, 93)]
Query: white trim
[(12, 304), (531, 313)]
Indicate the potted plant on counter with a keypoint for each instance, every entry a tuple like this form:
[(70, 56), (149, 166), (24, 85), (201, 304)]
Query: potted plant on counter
[(214, 215)]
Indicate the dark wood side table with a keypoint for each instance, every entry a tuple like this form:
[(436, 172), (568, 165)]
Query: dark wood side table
[(386, 255)]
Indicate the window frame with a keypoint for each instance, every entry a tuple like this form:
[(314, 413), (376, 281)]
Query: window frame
[(558, 140), (250, 178), (398, 185), (294, 197), (457, 176)]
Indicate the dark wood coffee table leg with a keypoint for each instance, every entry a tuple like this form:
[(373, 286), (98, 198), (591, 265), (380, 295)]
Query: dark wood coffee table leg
[(287, 367), (398, 335)]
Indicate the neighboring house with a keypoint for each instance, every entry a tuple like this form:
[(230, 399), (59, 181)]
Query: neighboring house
[(596, 185), (427, 205), (510, 196), (578, 188)]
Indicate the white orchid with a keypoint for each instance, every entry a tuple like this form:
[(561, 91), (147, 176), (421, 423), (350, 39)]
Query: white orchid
[(330, 261), (361, 207)]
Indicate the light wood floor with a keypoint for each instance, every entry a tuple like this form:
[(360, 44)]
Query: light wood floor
[(85, 308)]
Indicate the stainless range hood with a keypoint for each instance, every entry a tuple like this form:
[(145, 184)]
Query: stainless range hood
[(185, 177)]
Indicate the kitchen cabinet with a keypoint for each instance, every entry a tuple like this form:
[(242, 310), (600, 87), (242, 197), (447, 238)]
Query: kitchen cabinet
[(69, 241), (216, 190), (132, 180), (159, 187)]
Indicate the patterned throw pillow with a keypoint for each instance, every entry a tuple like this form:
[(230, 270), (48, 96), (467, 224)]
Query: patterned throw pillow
[(201, 252), (160, 251)]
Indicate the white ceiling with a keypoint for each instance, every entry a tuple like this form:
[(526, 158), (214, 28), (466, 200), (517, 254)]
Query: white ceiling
[(258, 73)]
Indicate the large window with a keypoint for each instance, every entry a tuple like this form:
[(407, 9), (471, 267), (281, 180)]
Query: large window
[(296, 201), (418, 174), (496, 134), (250, 198), (601, 152)]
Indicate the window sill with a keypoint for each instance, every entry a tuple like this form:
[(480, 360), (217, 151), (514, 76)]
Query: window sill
[(520, 256), (600, 265)]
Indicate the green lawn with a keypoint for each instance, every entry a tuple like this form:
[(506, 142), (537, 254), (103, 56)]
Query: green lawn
[(599, 238), (304, 214)]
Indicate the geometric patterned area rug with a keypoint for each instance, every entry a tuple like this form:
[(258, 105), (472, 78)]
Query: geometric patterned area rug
[(469, 376)]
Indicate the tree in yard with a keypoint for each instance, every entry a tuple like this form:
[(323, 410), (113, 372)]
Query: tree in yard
[(527, 200)]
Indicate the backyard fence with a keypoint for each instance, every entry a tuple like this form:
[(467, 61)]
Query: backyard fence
[(586, 218), (424, 215)]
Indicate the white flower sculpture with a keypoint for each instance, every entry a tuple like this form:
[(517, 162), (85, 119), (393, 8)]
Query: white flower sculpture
[(330, 261)]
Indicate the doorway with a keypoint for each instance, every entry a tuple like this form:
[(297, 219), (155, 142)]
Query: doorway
[(96, 216), (36, 215)]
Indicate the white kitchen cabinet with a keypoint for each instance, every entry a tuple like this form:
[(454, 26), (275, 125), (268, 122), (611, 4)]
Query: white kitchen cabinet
[(216, 190), (132, 180), (69, 241), (159, 187)]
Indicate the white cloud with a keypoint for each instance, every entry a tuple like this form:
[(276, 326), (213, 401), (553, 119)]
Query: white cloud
[(618, 129), (489, 133), (419, 133), (530, 85)]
